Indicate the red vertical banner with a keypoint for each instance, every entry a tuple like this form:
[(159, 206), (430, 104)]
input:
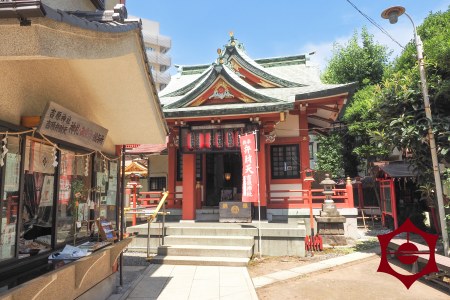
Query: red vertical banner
[(249, 171)]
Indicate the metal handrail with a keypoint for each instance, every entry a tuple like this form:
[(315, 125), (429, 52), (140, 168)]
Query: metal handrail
[(153, 217)]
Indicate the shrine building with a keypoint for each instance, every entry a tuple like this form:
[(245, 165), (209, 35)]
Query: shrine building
[(207, 107)]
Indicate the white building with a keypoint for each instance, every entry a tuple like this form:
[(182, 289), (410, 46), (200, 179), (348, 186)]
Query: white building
[(157, 46)]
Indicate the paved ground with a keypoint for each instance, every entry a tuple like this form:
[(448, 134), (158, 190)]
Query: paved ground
[(191, 283), (358, 280), (352, 276)]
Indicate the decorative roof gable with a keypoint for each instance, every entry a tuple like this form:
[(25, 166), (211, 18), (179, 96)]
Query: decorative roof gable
[(221, 92), (135, 167), (219, 86), (250, 71)]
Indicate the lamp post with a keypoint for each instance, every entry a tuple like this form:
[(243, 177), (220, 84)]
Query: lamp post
[(392, 15)]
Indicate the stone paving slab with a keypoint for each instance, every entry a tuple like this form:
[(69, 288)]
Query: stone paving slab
[(192, 283)]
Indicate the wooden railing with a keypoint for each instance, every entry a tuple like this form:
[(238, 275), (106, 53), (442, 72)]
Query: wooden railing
[(302, 198), (151, 199)]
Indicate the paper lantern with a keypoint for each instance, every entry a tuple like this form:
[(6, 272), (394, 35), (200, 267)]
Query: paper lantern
[(218, 139), (199, 140), (208, 140), (190, 141), (229, 138), (237, 138)]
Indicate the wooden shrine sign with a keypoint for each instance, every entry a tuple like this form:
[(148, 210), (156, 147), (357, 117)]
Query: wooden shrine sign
[(60, 123)]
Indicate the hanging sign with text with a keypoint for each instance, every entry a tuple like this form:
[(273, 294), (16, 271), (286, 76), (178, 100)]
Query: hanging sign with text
[(60, 123), (249, 171)]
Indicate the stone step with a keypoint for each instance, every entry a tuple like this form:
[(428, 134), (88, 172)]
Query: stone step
[(200, 261), (212, 231), (209, 240), (206, 251)]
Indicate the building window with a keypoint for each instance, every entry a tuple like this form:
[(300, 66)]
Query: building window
[(285, 161), (157, 183), (198, 166), (311, 150)]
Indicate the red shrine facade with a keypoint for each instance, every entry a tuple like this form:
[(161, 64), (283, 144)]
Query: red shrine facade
[(207, 108)]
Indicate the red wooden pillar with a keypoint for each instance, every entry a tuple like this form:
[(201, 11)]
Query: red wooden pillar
[(349, 188), (189, 191), (304, 145), (171, 180), (262, 170)]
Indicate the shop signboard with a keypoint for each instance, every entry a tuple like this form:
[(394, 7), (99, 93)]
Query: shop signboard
[(60, 123)]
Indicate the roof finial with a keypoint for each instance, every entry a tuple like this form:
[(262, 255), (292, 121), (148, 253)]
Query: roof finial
[(232, 41), (219, 51)]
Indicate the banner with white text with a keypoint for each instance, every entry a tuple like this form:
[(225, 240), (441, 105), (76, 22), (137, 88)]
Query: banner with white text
[(249, 171)]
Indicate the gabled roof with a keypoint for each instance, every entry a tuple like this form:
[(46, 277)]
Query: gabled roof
[(136, 168), (250, 86), (215, 75)]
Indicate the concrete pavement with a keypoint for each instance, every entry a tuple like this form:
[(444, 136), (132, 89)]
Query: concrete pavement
[(356, 277), (191, 282), (358, 280)]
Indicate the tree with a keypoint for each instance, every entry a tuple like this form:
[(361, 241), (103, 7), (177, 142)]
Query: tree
[(329, 155), (363, 63), (400, 102)]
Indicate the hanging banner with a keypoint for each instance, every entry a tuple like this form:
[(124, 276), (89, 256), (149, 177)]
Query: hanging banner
[(249, 172), (63, 124)]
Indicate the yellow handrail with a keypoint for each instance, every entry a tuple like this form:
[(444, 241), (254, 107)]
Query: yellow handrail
[(152, 217)]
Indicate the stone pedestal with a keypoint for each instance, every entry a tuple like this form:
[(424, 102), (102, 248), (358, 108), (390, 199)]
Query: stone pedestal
[(330, 225)]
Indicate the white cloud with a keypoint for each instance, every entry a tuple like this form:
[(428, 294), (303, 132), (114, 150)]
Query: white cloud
[(323, 51), (402, 32)]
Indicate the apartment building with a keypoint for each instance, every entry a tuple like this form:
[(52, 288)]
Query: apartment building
[(157, 46)]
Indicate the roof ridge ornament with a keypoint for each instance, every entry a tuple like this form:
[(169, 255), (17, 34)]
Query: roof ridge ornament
[(220, 59), (232, 39)]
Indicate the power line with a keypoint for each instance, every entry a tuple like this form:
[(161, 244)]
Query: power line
[(375, 24)]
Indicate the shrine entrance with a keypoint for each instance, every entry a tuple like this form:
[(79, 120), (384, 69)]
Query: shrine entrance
[(223, 178)]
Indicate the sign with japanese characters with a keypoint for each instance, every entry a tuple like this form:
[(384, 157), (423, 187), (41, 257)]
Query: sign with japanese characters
[(60, 123), (249, 171)]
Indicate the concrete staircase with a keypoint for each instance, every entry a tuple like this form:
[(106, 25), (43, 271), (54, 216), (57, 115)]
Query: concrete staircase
[(211, 246)]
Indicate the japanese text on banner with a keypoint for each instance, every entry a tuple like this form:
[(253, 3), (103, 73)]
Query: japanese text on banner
[(249, 171)]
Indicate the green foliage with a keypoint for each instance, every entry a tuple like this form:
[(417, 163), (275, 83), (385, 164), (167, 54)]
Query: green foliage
[(364, 123), (400, 100), (435, 34), (329, 155), (363, 63)]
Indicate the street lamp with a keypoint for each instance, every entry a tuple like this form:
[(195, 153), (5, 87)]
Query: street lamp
[(392, 15)]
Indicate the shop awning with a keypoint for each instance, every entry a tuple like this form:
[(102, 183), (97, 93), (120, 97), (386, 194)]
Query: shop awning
[(95, 69)]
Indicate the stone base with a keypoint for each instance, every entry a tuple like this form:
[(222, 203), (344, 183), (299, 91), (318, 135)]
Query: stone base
[(330, 228), (334, 240), (329, 210)]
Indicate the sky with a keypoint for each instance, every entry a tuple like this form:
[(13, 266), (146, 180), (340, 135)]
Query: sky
[(272, 28)]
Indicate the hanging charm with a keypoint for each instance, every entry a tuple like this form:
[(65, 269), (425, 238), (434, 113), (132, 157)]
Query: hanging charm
[(4, 150), (55, 158), (86, 166), (105, 165)]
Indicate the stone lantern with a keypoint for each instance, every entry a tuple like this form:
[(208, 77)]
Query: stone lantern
[(328, 185), (330, 224)]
